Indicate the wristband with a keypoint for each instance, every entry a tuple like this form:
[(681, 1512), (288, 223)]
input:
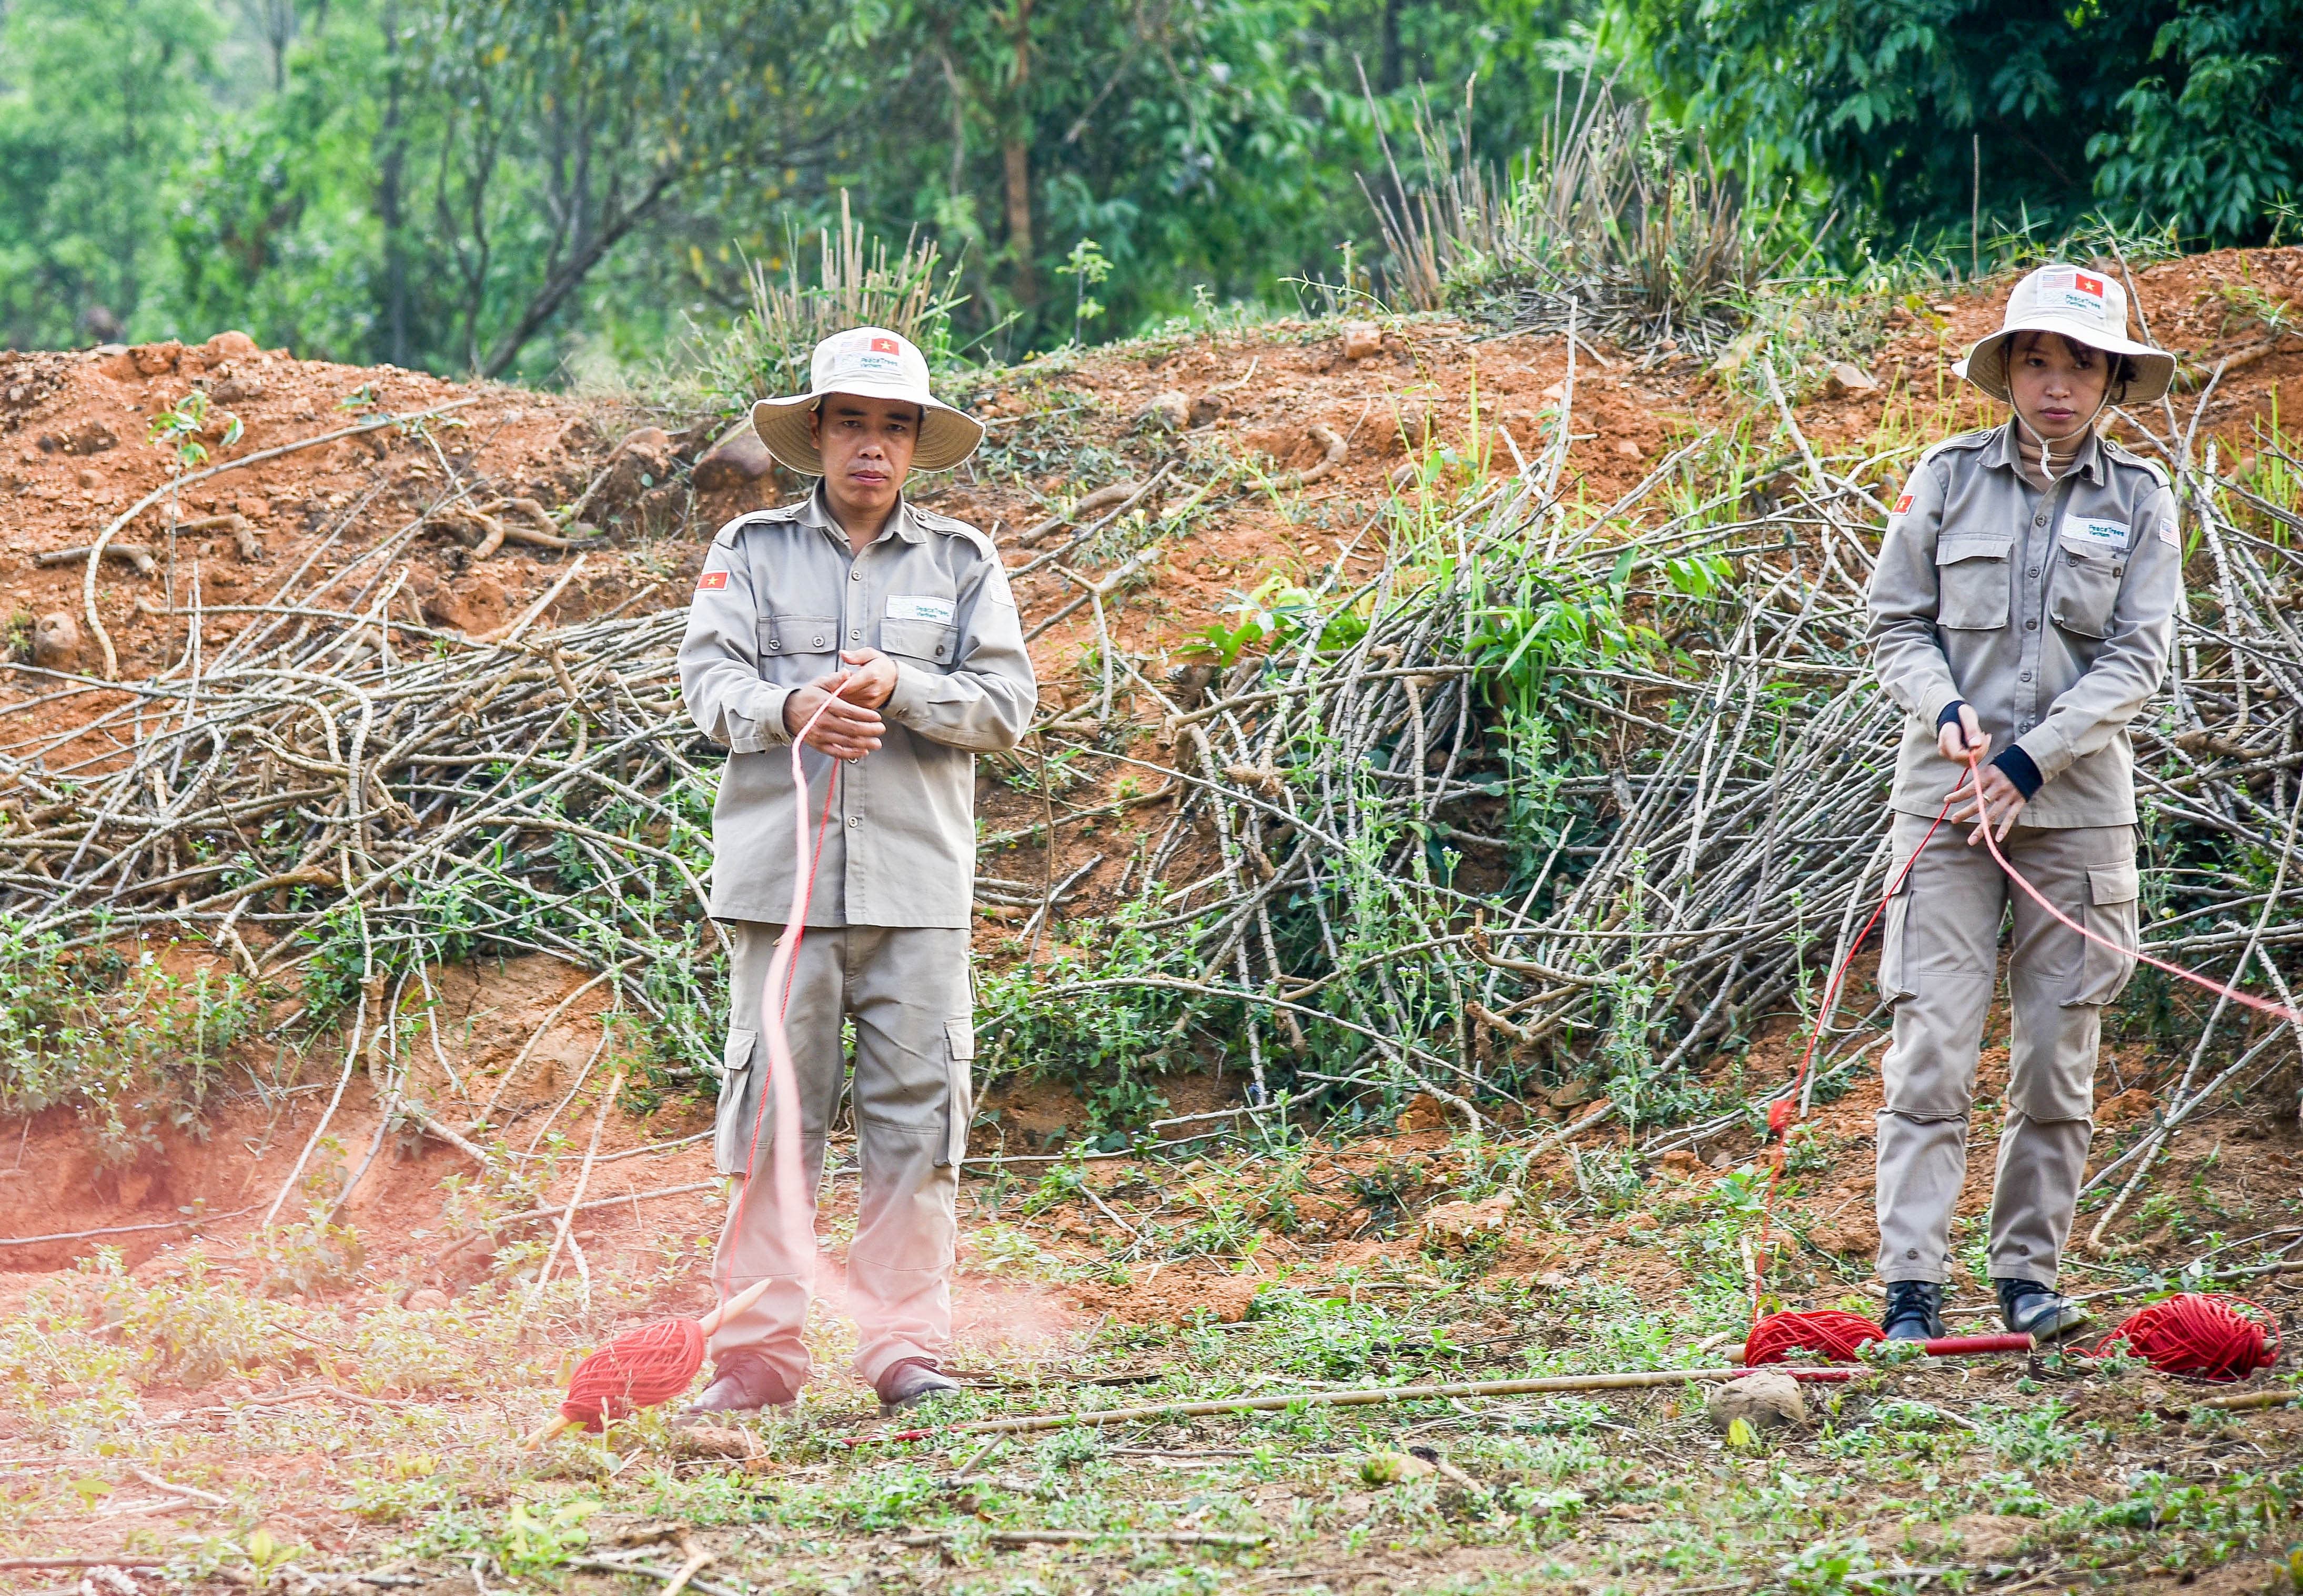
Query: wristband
[(2019, 768)]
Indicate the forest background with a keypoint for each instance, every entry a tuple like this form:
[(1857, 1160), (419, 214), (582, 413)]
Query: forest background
[(549, 191)]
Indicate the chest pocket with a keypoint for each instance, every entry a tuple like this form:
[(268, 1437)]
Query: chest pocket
[(2086, 588), (1971, 582), (795, 649), (929, 642)]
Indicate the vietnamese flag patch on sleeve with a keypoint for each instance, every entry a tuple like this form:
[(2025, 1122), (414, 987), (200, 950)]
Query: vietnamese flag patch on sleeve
[(1903, 504), (711, 581)]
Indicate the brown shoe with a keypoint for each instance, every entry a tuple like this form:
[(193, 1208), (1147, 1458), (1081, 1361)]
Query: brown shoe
[(910, 1383), (743, 1383)]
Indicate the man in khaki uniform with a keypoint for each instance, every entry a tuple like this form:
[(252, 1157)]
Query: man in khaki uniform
[(2023, 603), (910, 615)]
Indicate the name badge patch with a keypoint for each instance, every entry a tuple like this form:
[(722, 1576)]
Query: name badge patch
[(917, 606), (2089, 532)]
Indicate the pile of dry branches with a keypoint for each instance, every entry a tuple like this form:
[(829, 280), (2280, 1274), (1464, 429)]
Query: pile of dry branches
[(1555, 795)]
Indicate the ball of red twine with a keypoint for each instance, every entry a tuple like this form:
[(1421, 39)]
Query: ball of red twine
[(1831, 1334), (2197, 1334), (639, 1368)]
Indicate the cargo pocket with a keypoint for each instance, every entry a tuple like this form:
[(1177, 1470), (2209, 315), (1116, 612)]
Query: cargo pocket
[(1971, 582), (2111, 912), (959, 1099), (1895, 943), (2085, 590), (731, 1129)]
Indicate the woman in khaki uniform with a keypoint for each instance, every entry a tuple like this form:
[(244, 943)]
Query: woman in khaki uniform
[(2020, 616)]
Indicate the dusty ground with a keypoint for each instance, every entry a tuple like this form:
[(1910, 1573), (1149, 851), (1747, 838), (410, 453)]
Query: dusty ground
[(1360, 1242)]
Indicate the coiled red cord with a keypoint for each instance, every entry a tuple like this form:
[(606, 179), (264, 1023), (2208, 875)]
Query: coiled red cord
[(2201, 1335), (639, 1368)]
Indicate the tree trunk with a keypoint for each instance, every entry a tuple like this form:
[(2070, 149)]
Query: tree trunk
[(392, 150), (1393, 68), (1015, 160)]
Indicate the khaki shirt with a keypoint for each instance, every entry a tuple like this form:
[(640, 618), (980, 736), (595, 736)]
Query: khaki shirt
[(780, 595), (2050, 614)]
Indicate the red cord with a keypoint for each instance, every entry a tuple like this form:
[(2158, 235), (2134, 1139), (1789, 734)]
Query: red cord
[(1780, 1114), (2197, 1334), (639, 1368), (782, 970)]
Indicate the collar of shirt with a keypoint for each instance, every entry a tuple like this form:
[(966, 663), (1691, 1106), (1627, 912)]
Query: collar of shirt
[(2001, 452), (816, 511)]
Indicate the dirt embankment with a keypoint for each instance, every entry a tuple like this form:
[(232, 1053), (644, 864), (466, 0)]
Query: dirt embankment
[(75, 429)]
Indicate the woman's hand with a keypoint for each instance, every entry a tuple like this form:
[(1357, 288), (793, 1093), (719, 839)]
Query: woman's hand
[(1950, 735), (1999, 803)]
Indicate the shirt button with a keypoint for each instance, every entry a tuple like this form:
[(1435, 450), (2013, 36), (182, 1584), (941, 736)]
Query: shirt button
[(2027, 676), (819, 639), (2039, 521), (2030, 626), (2032, 572), (854, 635), (854, 576), (853, 820)]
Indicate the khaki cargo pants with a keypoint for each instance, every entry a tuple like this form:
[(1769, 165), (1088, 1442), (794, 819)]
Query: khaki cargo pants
[(907, 991), (1939, 965)]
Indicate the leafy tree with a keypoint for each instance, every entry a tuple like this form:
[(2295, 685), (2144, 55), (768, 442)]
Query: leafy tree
[(1892, 109), (102, 96), (2221, 143)]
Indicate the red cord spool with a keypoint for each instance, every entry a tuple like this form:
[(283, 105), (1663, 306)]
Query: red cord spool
[(1830, 1333), (2201, 1335), (639, 1368), (1837, 1336)]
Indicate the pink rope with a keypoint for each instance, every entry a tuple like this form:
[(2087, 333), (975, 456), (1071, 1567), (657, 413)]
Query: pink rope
[(775, 997), (1780, 1115), (2260, 1005)]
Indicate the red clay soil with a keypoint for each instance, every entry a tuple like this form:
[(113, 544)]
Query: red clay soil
[(76, 426)]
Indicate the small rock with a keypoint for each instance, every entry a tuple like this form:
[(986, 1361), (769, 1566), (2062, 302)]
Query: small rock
[(89, 479), (1573, 1095), (427, 1300), (55, 642), (1402, 475), (156, 360), (1207, 409), (1454, 1226), (1170, 411), (736, 461), (1391, 1468), (1360, 340), (714, 1440), (237, 390), (1682, 1162), (651, 444), (253, 508), (1629, 449), (1765, 1399), (1846, 377), (233, 345)]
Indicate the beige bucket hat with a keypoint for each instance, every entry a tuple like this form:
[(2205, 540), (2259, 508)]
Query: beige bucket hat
[(2088, 305), (872, 363)]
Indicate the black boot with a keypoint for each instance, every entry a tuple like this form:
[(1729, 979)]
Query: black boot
[(2039, 1312), (742, 1382), (1914, 1311)]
